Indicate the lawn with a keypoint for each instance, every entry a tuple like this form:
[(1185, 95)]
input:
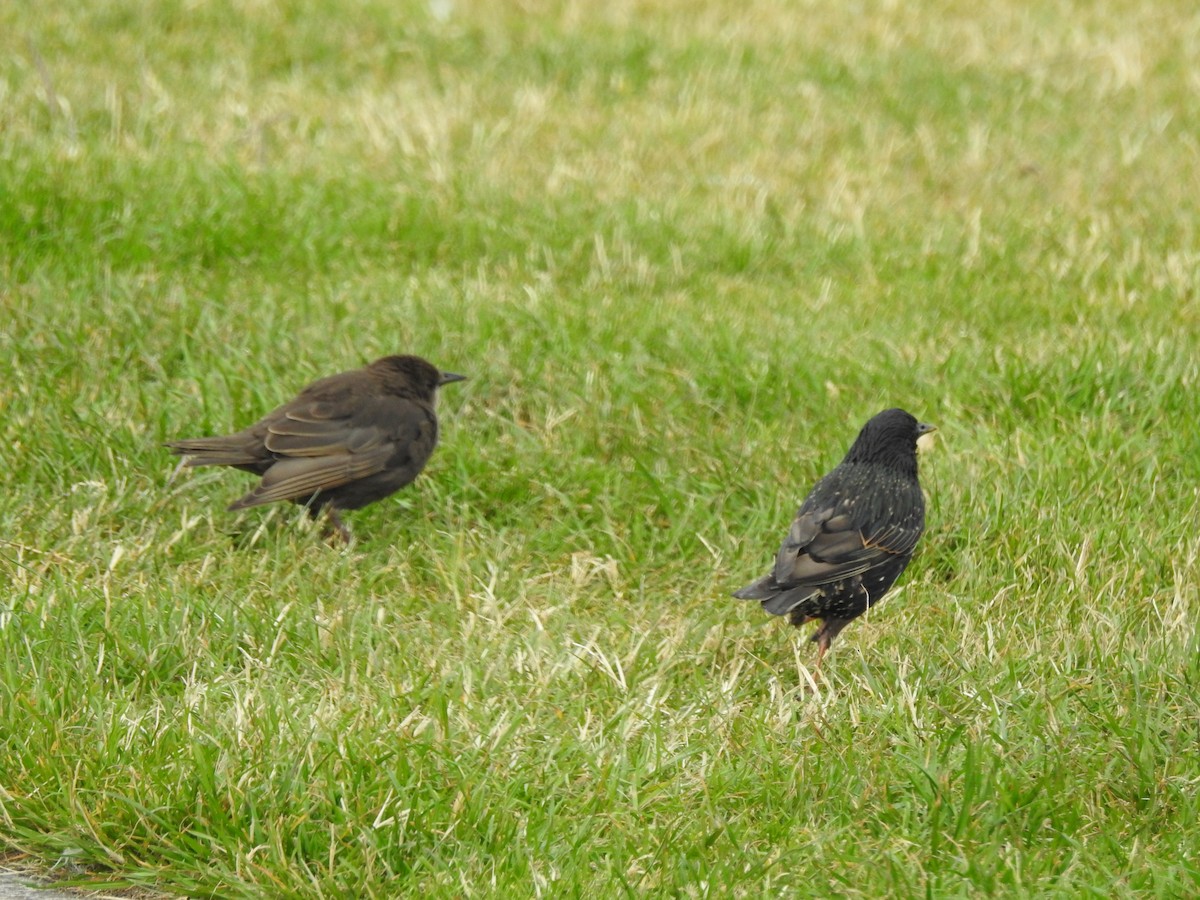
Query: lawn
[(683, 251)]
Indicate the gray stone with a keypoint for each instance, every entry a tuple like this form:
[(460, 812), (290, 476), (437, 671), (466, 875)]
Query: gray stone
[(14, 886)]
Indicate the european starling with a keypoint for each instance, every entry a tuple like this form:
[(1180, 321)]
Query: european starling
[(343, 442), (853, 534)]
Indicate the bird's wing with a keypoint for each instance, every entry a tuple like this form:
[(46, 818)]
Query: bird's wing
[(319, 428), (826, 545), (300, 477), (897, 538), (322, 444)]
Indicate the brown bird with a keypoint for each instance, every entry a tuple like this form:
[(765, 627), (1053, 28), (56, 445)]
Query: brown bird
[(343, 442), (854, 533)]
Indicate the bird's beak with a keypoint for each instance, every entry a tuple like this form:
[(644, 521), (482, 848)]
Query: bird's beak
[(449, 377), (925, 436)]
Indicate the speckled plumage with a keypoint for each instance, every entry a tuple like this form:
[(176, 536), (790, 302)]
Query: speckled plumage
[(343, 442), (854, 533)]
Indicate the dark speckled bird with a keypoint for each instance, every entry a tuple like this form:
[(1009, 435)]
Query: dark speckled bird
[(343, 442), (853, 534)]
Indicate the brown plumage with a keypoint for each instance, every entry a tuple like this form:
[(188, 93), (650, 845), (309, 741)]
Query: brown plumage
[(854, 533), (343, 442)]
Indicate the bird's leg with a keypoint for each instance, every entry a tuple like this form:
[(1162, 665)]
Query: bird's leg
[(336, 525), (823, 641), (823, 636)]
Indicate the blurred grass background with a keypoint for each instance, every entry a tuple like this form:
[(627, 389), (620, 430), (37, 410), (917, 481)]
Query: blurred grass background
[(684, 251)]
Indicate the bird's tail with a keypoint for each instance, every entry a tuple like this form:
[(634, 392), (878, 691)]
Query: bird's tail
[(763, 589), (775, 599), (213, 451)]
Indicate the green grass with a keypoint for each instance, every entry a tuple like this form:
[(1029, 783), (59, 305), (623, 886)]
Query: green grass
[(683, 251)]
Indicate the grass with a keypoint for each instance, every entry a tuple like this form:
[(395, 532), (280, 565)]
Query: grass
[(683, 252)]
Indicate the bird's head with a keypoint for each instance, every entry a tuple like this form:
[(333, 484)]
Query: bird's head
[(411, 375), (890, 439)]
